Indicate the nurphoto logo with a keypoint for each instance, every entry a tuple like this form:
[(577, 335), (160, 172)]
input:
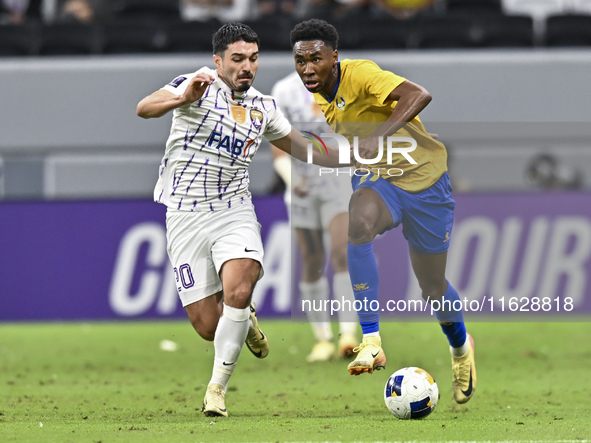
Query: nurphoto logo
[(392, 147)]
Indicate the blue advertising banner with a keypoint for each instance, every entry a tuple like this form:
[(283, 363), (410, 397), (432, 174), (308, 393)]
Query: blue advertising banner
[(511, 253), (93, 259)]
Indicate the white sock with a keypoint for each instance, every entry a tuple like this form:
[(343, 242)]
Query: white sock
[(459, 352), (372, 334), (343, 292), (317, 293), (229, 338)]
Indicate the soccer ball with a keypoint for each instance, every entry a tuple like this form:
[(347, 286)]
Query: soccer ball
[(411, 393)]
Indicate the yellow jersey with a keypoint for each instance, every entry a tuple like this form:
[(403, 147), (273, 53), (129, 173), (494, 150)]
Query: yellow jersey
[(359, 105)]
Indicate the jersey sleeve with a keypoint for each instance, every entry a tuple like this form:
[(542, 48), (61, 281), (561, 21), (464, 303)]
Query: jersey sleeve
[(278, 126), (279, 93), (376, 81), (179, 85)]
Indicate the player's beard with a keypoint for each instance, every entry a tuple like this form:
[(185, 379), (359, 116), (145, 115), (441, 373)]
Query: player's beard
[(238, 87), (244, 86)]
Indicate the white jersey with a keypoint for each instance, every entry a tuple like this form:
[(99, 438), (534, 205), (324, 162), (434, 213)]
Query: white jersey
[(299, 106), (212, 142)]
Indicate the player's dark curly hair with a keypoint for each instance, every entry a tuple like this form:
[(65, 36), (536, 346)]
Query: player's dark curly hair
[(315, 29), (231, 33)]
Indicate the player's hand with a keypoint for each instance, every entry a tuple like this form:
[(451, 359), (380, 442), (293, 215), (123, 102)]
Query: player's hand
[(368, 148), (197, 86), (435, 136), (302, 188)]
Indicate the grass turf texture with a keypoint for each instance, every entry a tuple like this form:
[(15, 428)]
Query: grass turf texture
[(110, 382)]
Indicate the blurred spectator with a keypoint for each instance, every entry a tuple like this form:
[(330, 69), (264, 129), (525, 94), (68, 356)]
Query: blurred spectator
[(76, 11), (404, 9), (546, 172), (321, 9), (276, 7), (223, 10), (15, 12), (353, 8)]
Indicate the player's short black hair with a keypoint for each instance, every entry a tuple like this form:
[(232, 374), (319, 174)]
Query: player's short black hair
[(231, 33), (315, 29)]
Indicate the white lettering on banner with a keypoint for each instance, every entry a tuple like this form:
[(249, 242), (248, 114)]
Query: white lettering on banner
[(570, 264), (484, 231), (554, 253), (120, 298), (506, 265), (277, 264)]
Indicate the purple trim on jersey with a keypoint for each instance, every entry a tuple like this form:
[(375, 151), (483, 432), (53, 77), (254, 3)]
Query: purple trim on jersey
[(180, 203), (221, 131), (274, 103), (227, 108), (174, 187), (263, 104), (229, 203), (230, 181), (195, 176), (233, 140), (194, 205), (186, 140), (211, 207), (163, 168), (205, 183), (204, 97), (187, 143), (220, 193), (160, 196), (234, 157), (241, 180)]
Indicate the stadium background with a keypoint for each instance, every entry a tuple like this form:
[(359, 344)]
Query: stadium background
[(81, 240), (73, 152)]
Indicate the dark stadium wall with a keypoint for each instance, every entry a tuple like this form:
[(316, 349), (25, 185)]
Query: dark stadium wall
[(86, 103), (73, 118)]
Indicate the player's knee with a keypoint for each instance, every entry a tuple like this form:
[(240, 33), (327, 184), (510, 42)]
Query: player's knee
[(239, 296), (361, 228), (206, 330)]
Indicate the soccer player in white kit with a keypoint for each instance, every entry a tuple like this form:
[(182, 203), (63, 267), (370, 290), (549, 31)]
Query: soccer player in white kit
[(317, 204), (213, 236)]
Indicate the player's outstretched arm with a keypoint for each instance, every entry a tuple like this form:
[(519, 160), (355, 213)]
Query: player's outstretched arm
[(296, 145), (411, 99), (162, 101)]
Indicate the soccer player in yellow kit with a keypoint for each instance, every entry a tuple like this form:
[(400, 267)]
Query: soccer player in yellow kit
[(411, 188)]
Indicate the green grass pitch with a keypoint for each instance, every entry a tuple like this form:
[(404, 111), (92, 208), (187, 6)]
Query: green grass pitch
[(110, 382)]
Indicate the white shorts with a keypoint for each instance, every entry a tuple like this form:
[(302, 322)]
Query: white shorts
[(199, 243), (326, 200)]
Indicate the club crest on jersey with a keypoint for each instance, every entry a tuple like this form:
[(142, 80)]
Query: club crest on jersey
[(256, 117), (340, 102), (238, 114)]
